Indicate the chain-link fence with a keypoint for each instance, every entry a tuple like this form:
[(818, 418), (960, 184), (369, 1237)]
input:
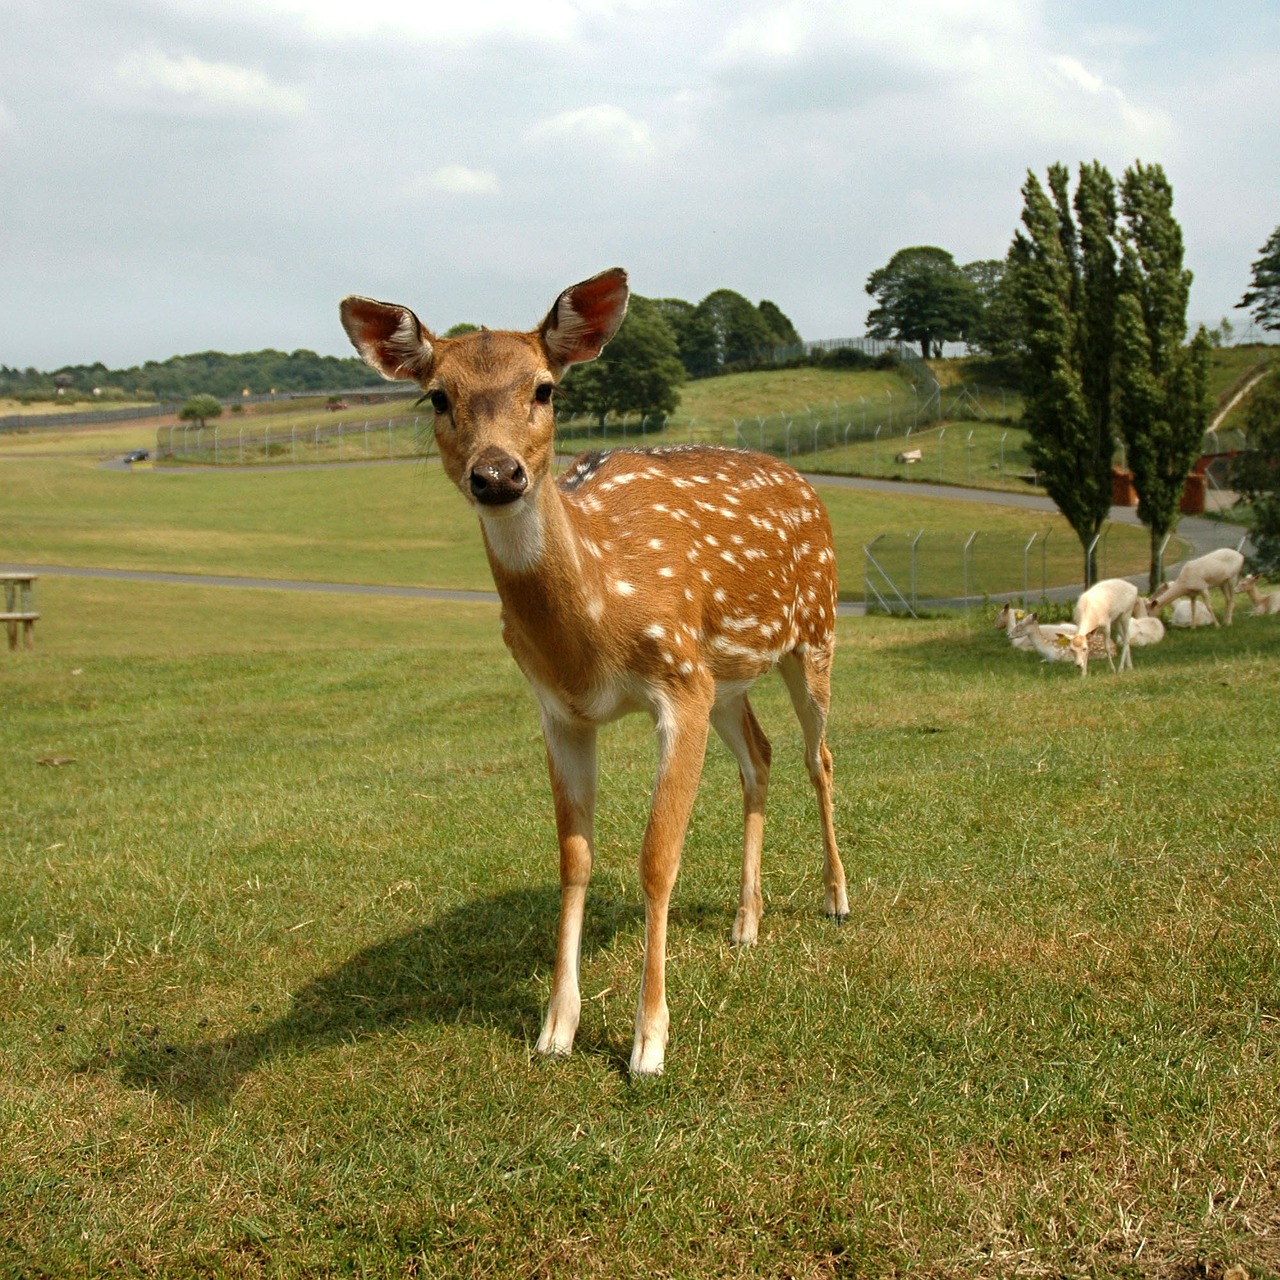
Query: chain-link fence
[(255, 443), (918, 572)]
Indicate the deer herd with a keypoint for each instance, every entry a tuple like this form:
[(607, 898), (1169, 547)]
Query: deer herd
[(664, 581), (1116, 602)]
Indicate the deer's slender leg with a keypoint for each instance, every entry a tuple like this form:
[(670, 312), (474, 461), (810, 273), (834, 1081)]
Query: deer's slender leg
[(682, 745), (740, 731), (571, 761), (808, 678)]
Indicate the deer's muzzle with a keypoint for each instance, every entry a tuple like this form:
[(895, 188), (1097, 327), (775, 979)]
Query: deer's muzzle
[(497, 478)]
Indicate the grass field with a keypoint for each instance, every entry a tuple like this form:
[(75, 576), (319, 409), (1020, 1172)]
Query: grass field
[(275, 937), (403, 524)]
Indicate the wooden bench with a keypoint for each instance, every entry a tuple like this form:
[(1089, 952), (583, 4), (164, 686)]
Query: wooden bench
[(19, 607)]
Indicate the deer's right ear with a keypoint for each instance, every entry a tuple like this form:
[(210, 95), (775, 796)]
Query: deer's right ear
[(585, 316), (389, 338)]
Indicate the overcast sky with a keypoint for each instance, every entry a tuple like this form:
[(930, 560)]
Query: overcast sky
[(180, 175)]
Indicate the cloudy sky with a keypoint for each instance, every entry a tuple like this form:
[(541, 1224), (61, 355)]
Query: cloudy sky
[(179, 176)]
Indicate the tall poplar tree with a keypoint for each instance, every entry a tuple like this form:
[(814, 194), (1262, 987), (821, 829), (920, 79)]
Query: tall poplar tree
[(1064, 273), (1162, 406)]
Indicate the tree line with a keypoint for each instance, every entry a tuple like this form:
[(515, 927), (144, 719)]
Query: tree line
[(207, 372)]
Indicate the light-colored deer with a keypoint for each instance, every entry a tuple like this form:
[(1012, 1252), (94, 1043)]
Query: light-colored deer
[(1263, 602), (663, 580), (1052, 642), (1219, 568), (1110, 601)]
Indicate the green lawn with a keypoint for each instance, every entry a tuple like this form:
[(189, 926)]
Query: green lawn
[(404, 524), (275, 939)]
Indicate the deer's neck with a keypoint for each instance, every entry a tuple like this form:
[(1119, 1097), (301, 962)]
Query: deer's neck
[(551, 588)]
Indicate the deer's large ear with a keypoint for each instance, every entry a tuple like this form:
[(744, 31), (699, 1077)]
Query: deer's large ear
[(389, 338), (584, 317)]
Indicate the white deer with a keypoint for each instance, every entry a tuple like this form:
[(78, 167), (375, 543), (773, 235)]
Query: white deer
[(1263, 602), (660, 580), (1110, 601), (1053, 642), (1009, 618), (1219, 568)]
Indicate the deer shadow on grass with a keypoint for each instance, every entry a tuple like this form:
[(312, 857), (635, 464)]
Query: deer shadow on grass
[(475, 964)]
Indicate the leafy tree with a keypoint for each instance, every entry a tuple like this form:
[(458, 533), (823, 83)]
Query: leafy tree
[(1257, 473), (785, 334), (923, 297), (740, 332), (1263, 296), (1064, 271), (639, 372), (1162, 406), (457, 330), (998, 327), (695, 336), (1103, 295), (199, 409)]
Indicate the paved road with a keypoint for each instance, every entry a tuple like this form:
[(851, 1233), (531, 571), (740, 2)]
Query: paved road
[(1204, 535)]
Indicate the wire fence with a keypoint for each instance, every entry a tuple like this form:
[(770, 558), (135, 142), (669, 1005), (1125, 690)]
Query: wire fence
[(914, 572), (255, 444)]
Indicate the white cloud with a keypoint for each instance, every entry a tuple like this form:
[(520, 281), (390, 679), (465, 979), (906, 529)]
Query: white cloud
[(188, 82), (604, 126), (465, 23), (8, 124), (459, 180)]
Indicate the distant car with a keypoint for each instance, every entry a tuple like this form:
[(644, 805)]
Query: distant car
[(335, 405), (136, 455)]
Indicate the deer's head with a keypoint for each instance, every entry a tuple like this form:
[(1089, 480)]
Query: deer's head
[(491, 390)]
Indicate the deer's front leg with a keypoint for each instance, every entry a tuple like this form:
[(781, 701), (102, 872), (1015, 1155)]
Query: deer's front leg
[(682, 745), (571, 761)]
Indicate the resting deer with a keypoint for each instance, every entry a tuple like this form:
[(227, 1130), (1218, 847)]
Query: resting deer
[(1109, 601), (1219, 568), (1052, 643), (1263, 602), (659, 580)]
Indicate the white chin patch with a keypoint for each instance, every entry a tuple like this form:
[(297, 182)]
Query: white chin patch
[(513, 533)]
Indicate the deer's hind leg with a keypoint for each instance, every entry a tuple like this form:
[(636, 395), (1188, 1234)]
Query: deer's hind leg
[(740, 731), (807, 673)]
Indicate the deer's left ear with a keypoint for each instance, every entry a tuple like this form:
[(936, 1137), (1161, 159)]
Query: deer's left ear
[(584, 317)]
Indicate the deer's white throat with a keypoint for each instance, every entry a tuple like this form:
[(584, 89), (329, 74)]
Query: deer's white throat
[(514, 534)]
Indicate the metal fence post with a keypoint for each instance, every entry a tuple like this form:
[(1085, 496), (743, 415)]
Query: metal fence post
[(942, 431), (915, 564), (965, 560), (1026, 558)]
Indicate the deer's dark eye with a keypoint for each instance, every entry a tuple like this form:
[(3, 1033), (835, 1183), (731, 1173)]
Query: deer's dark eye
[(542, 392), (439, 401)]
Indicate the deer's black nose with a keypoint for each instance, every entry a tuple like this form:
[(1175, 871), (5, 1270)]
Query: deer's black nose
[(497, 478)]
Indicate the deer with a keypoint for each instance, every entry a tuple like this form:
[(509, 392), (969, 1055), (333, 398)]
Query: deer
[(1219, 568), (663, 581), (1052, 643), (1264, 602), (1106, 602)]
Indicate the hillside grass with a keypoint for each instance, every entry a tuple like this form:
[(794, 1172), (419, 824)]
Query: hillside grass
[(275, 940)]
